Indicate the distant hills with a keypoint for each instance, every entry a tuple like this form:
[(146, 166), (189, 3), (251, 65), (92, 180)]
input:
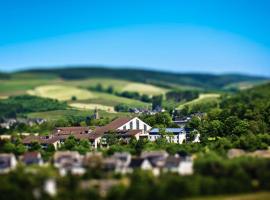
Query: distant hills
[(159, 78)]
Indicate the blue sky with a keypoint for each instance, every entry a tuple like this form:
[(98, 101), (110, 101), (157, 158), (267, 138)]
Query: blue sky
[(184, 36)]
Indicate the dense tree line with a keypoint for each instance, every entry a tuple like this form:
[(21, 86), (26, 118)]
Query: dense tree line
[(9, 108), (127, 94), (182, 95)]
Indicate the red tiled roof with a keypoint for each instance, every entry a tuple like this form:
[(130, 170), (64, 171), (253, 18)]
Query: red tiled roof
[(30, 155), (114, 125), (39, 139)]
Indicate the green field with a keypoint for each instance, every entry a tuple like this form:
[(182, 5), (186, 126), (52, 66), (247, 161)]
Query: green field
[(61, 92), (50, 86), (119, 85), (203, 98), (253, 196), (60, 114)]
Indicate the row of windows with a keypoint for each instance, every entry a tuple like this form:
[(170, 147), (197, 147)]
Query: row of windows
[(137, 125)]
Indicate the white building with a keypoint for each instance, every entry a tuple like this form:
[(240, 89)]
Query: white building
[(173, 135), (8, 162)]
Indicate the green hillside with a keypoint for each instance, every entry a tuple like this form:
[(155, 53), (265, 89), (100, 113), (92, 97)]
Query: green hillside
[(166, 79)]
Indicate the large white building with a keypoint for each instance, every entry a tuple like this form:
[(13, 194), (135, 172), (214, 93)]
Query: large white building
[(172, 135)]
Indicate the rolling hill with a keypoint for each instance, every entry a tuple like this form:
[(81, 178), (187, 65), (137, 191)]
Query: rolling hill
[(164, 79)]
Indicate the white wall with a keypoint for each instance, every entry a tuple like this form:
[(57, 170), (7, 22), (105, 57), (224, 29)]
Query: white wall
[(179, 139), (134, 125)]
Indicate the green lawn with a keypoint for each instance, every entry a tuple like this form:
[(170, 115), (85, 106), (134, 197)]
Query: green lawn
[(203, 98), (60, 114), (253, 196), (119, 85)]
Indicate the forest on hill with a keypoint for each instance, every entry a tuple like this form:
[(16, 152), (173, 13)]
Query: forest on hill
[(164, 79)]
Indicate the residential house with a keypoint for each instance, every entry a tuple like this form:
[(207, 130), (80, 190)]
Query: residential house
[(44, 141), (30, 158), (124, 127), (157, 158), (172, 135), (68, 162), (179, 164), (123, 160), (8, 162), (182, 122), (93, 160), (139, 163)]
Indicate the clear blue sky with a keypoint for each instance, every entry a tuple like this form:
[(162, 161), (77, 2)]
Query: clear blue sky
[(214, 36)]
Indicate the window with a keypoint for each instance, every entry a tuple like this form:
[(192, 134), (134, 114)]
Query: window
[(131, 125), (125, 127), (137, 124), (144, 127)]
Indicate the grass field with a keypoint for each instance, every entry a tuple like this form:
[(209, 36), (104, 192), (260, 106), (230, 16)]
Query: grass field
[(253, 196), (60, 114), (203, 98), (119, 85), (92, 106), (60, 92)]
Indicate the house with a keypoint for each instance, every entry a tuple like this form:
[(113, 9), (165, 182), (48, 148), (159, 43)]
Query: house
[(173, 135), (139, 163), (30, 158), (75, 130), (157, 158), (93, 160), (68, 162), (180, 165), (8, 123), (44, 141), (8, 162), (182, 122), (124, 127), (123, 160)]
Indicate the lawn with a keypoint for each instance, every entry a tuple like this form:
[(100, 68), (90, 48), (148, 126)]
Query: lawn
[(119, 85), (112, 100), (253, 196), (60, 92), (91, 106), (61, 114), (203, 98)]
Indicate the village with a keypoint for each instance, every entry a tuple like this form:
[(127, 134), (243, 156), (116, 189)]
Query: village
[(124, 129)]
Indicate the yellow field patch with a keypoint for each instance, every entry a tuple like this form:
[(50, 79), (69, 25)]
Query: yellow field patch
[(61, 92), (88, 106), (144, 88)]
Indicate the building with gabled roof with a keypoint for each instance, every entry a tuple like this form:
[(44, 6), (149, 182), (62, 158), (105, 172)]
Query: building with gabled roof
[(8, 162)]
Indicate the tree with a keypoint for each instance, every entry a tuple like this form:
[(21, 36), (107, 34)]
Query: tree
[(73, 98), (110, 89), (70, 143), (20, 149), (111, 138), (9, 147), (194, 123), (35, 146), (157, 102)]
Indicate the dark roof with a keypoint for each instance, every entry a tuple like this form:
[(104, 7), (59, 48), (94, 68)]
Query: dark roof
[(136, 162), (5, 160), (172, 161)]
